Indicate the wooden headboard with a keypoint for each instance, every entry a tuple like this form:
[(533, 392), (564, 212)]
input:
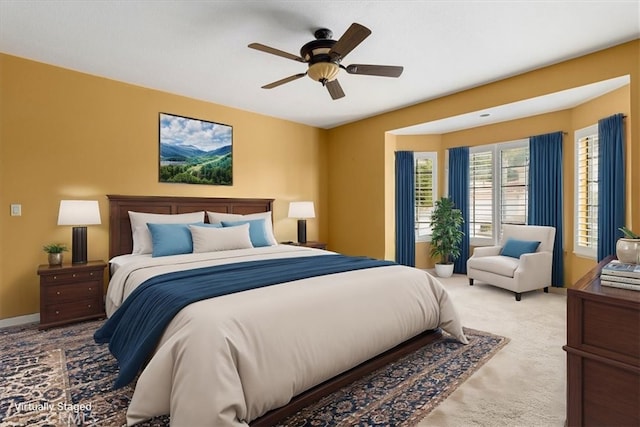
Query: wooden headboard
[(120, 238)]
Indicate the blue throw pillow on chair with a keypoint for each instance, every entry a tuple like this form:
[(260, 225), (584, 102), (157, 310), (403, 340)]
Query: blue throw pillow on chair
[(514, 248)]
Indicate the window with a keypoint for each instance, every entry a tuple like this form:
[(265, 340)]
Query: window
[(514, 185), (481, 194), (586, 192), (425, 193), (498, 189)]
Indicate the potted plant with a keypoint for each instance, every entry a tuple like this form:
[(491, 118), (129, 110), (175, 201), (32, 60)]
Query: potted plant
[(628, 247), (55, 251), (446, 235)]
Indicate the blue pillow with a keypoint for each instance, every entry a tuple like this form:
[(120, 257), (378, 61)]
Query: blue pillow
[(257, 231), (514, 248), (171, 239)]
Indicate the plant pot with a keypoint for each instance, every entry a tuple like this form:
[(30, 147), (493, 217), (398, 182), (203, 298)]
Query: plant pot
[(55, 259), (628, 250), (444, 270)]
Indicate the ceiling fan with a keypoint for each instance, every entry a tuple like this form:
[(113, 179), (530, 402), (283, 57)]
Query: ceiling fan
[(324, 55)]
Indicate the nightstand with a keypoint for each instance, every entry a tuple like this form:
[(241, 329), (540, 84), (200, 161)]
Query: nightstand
[(71, 292), (308, 244)]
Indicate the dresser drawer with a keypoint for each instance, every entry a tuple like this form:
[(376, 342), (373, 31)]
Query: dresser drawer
[(612, 329), (71, 292), (71, 310), (67, 277)]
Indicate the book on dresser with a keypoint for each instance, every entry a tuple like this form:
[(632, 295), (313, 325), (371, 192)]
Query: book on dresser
[(621, 279), (617, 268), (619, 284)]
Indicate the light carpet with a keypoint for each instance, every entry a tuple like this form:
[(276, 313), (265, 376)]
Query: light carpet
[(524, 385)]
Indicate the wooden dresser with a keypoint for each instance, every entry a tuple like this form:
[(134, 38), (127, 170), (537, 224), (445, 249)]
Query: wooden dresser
[(603, 353), (71, 293)]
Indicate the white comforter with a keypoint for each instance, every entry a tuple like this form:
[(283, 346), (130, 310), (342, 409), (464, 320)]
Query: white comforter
[(228, 360)]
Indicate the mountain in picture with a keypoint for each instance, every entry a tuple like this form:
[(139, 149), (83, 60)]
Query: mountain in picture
[(191, 165)]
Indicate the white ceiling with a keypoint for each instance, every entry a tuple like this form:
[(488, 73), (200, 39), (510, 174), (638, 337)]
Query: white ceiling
[(199, 48)]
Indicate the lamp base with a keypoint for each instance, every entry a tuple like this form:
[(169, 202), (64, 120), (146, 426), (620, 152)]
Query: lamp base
[(79, 245), (302, 231)]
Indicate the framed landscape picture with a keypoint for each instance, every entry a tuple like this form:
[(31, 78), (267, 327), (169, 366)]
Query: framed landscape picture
[(195, 151)]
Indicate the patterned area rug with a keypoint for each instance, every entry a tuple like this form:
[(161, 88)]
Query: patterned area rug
[(60, 377)]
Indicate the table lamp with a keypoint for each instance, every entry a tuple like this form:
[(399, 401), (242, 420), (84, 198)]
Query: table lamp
[(301, 211), (79, 214)]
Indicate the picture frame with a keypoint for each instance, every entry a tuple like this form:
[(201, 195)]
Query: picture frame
[(194, 151)]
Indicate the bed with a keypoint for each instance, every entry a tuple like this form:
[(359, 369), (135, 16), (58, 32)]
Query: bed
[(257, 355)]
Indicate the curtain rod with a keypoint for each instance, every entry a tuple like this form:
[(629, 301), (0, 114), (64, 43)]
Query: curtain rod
[(566, 133)]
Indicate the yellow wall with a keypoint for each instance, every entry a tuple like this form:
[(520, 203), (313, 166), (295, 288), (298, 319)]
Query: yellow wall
[(66, 135), (362, 216)]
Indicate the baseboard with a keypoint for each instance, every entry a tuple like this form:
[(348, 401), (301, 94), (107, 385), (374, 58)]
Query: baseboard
[(20, 320)]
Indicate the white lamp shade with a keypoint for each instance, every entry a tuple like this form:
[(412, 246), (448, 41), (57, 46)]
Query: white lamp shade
[(301, 210), (79, 212)]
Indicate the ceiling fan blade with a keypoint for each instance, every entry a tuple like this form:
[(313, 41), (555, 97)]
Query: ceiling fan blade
[(375, 70), (274, 51), (335, 90), (283, 81), (354, 35)]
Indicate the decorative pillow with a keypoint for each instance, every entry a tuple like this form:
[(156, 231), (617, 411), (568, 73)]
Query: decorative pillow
[(216, 217), (514, 248), (142, 243), (211, 239), (257, 231), (171, 239)]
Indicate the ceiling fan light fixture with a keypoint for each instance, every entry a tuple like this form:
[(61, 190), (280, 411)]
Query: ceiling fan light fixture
[(323, 72)]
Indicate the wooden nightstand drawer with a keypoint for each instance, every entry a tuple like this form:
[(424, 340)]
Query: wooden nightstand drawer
[(72, 310), (66, 277), (71, 292)]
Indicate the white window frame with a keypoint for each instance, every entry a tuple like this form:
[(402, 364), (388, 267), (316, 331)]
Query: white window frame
[(496, 150), (434, 159), (578, 249)]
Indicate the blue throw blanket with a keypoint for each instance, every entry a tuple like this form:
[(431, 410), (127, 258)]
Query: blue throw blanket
[(134, 330)]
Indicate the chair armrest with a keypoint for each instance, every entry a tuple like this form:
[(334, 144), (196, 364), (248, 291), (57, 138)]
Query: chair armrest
[(486, 251), (539, 262)]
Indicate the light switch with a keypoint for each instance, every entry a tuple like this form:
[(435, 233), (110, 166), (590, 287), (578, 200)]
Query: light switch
[(16, 210)]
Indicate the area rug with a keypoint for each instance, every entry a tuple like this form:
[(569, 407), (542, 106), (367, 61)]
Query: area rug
[(61, 377)]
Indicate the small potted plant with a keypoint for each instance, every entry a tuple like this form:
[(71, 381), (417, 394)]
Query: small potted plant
[(446, 235), (55, 251), (628, 247)]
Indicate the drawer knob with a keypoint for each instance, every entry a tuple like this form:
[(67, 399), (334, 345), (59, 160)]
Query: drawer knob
[(58, 293), (74, 274), (89, 306), (91, 274), (57, 312), (89, 288), (55, 277)]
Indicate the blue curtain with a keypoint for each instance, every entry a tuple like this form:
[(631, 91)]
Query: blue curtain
[(545, 193), (611, 185), (405, 205), (459, 193)]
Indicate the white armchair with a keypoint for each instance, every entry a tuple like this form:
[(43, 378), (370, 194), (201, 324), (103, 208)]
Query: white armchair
[(528, 272)]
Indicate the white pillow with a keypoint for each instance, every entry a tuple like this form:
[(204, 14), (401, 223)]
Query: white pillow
[(142, 243), (209, 239), (217, 217)]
